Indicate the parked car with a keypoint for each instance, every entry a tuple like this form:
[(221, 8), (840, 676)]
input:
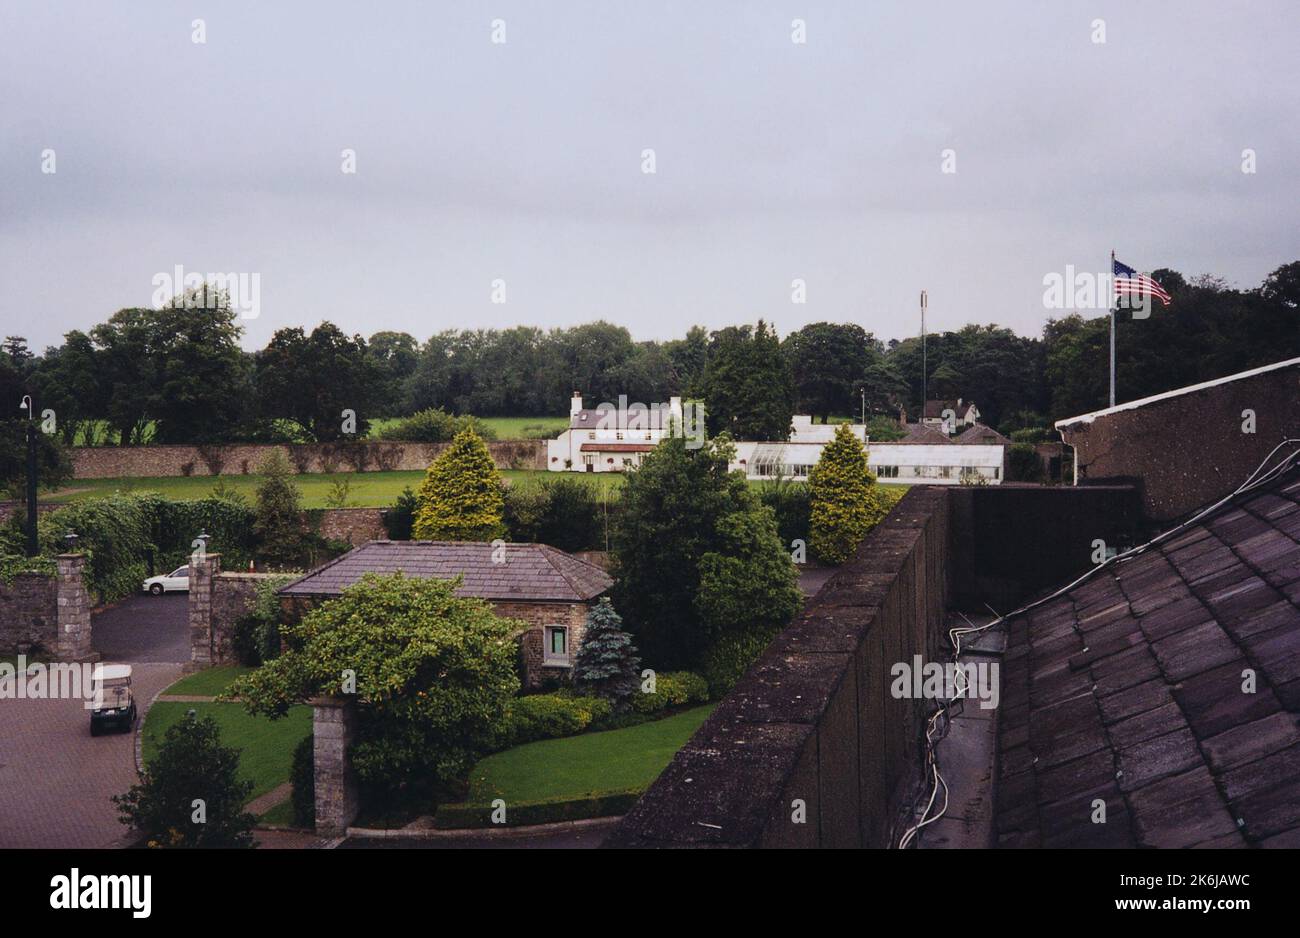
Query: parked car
[(178, 579), (112, 702)]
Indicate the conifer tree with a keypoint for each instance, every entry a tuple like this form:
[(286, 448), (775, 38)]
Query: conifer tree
[(844, 502), (607, 664), (461, 498)]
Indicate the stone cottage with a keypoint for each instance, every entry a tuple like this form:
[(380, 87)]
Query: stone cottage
[(547, 588)]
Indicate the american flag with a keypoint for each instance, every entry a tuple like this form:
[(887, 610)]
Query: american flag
[(1128, 282)]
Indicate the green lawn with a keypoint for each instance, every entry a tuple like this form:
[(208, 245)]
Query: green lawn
[(368, 489), (590, 763), (207, 683), (266, 746)]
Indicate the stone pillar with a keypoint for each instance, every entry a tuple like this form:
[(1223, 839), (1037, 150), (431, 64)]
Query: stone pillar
[(73, 604), (202, 570), (334, 728)]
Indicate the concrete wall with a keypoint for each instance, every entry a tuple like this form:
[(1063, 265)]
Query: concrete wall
[(110, 462), (810, 749), (1015, 540), (1188, 449)]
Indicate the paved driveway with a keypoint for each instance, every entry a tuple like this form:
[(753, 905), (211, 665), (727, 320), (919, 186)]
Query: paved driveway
[(144, 629), (56, 779)]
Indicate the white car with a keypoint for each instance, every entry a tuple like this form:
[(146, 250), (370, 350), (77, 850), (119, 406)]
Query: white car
[(178, 579)]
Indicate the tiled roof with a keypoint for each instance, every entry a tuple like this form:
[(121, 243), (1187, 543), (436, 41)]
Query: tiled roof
[(1131, 688), (935, 409), (920, 433), (530, 572), (977, 433)]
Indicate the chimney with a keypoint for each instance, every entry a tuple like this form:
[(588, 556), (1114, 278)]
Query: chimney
[(575, 405)]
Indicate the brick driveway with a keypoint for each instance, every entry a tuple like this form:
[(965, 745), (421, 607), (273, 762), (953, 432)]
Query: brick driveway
[(56, 779)]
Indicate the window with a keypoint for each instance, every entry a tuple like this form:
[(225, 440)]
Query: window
[(591, 434), (555, 640)]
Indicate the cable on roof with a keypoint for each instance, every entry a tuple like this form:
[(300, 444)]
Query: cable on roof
[(1264, 474)]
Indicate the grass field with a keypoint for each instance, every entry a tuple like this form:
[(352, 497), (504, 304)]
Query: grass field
[(207, 683), (505, 428), (367, 489), (266, 746), (588, 764)]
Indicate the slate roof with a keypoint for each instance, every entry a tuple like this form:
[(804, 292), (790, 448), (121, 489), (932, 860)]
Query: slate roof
[(935, 409), (920, 433), (530, 573), (1129, 689), (978, 434)]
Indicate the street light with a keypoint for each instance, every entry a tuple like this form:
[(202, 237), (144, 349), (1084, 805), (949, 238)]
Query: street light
[(71, 540), (33, 548)]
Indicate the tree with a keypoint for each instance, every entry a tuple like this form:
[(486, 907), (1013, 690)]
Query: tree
[(277, 519), (747, 385), (434, 674), (190, 794), (460, 498), (844, 503), (829, 362), (607, 664), (312, 379), (680, 514)]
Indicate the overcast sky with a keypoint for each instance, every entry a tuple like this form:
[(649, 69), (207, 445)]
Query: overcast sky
[(522, 160)]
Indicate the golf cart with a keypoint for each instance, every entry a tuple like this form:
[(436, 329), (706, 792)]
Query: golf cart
[(112, 702)]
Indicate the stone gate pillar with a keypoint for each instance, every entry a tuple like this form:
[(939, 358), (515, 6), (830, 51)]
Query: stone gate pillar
[(73, 615), (334, 728), (202, 570)]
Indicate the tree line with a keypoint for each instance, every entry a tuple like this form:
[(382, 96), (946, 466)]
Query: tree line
[(179, 375)]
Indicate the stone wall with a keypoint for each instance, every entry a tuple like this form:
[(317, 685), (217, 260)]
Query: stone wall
[(810, 749), (111, 462), (233, 597), (354, 525), (29, 618), (535, 672), (73, 602), (1188, 449)]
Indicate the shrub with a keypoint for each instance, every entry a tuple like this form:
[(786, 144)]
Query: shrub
[(113, 532), (791, 503), (256, 637), (434, 677), (303, 776), (434, 425), (400, 518), (730, 657), (191, 764), (460, 498), (672, 689), (1023, 464), (562, 512), (550, 716)]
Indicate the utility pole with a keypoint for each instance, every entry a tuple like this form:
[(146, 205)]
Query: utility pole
[(925, 372), (33, 548)]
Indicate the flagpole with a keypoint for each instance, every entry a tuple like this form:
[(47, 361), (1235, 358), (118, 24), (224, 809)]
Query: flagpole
[(1111, 304)]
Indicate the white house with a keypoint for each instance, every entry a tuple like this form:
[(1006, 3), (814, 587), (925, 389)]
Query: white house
[(950, 416), (937, 463), (611, 437)]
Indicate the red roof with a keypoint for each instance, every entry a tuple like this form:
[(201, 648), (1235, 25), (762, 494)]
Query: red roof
[(617, 447)]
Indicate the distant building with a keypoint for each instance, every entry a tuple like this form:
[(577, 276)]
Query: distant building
[(950, 416), (610, 438), (793, 458)]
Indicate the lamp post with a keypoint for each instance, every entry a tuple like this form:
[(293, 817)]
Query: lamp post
[(33, 548)]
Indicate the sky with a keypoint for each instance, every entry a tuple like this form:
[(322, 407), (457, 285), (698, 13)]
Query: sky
[(482, 164)]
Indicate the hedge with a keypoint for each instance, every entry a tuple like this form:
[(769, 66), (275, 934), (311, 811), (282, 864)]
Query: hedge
[(596, 804)]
